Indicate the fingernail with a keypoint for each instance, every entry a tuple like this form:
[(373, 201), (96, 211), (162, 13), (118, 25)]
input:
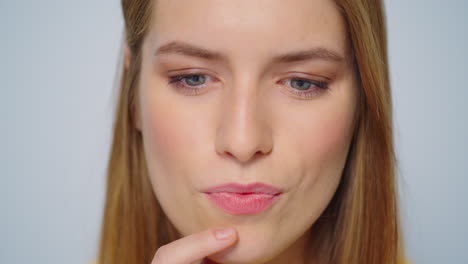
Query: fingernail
[(223, 234)]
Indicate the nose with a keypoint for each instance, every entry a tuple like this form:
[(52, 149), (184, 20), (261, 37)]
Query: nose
[(243, 133)]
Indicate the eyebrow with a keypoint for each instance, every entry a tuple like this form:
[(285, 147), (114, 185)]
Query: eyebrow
[(183, 48)]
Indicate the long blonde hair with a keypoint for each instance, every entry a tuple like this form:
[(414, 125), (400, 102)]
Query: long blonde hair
[(361, 223)]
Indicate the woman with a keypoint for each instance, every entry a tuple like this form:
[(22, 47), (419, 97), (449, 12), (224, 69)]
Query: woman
[(265, 122)]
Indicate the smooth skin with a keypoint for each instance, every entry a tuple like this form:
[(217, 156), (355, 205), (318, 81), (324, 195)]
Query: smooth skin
[(194, 248), (245, 112)]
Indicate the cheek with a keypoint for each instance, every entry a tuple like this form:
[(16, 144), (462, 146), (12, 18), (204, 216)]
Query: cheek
[(323, 155), (170, 151), (164, 131), (167, 126), (164, 136), (327, 136), (331, 136), (162, 141), (321, 148), (168, 131)]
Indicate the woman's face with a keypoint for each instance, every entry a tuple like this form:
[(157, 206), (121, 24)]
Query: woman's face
[(268, 97)]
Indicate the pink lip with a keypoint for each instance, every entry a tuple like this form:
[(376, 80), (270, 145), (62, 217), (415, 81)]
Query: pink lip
[(242, 199)]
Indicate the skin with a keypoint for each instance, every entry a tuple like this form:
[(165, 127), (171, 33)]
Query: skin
[(246, 123)]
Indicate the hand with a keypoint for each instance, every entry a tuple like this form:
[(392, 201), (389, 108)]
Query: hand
[(194, 248)]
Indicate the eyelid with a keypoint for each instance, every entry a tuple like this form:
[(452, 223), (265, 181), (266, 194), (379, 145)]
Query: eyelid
[(318, 86), (307, 76), (177, 81), (317, 83), (183, 76), (192, 71)]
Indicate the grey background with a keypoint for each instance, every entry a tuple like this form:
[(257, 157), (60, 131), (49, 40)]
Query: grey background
[(57, 69)]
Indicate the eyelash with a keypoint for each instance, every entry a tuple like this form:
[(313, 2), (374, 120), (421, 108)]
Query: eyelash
[(317, 87)]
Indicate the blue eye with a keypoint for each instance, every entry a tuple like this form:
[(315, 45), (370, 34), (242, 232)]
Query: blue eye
[(195, 84), (192, 80), (300, 84), (305, 88), (304, 85), (191, 84)]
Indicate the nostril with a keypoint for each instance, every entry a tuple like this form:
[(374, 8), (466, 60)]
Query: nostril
[(229, 154)]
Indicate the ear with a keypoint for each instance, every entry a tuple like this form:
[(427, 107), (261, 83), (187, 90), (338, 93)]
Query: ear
[(127, 55)]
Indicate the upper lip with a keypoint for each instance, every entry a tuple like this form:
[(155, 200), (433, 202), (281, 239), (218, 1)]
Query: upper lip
[(256, 187)]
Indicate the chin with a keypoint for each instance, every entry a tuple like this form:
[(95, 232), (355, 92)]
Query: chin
[(239, 257), (251, 248)]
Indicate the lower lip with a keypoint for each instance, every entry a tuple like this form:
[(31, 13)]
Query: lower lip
[(242, 204)]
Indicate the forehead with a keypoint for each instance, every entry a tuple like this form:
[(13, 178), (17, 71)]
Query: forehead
[(250, 27)]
